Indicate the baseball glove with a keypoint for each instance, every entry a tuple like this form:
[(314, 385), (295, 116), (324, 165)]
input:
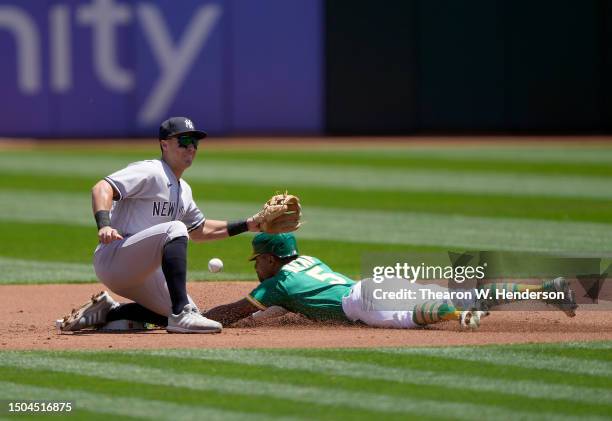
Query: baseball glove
[(282, 213)]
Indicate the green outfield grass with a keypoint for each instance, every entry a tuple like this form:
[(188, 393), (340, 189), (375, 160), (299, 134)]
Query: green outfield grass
[(549, 198), (571, 381), (553, 198)]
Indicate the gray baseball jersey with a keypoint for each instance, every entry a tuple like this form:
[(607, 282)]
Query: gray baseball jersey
[(153, 209), (150, 194)]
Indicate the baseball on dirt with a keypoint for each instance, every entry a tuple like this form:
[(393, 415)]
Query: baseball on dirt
[(215, 265)]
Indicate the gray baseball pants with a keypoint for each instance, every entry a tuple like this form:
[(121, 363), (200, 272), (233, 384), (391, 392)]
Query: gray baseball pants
[(132, 267)]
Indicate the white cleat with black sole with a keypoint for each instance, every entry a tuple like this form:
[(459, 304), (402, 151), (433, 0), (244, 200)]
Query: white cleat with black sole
[(567, 304)]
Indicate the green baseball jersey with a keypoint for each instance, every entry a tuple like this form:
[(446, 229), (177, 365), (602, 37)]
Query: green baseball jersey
[(306, 286)]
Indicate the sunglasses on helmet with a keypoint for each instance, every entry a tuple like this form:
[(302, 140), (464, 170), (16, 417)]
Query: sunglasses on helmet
[(185, 140)]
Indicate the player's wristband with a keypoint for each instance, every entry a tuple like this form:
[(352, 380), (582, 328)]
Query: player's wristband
[(102, 219), (237, 227)]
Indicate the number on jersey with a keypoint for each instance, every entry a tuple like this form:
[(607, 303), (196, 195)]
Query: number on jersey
[(316, 272)]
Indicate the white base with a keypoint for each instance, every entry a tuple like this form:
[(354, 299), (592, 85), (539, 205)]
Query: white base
[(122, 325)]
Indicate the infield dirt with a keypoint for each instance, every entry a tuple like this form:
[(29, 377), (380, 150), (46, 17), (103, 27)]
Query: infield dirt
[(28, 313)]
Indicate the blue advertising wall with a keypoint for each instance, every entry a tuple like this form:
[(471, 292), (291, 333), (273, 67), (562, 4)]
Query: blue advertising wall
[(118, 68)]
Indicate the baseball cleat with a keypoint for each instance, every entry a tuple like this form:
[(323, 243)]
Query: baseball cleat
[(91, 314), (470, 319), (191, 321), (568, 303)]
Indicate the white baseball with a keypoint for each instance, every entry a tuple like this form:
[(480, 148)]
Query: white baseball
[(215, 265)]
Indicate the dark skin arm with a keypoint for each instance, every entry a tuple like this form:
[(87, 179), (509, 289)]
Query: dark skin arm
[(228, 314)]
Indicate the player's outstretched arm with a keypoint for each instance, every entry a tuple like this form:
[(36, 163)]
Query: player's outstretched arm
[(101, 202), (228, 314), (213, 229), (282, 213)]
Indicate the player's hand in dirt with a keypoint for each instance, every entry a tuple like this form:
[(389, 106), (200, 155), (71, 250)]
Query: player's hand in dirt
[(107, 235)]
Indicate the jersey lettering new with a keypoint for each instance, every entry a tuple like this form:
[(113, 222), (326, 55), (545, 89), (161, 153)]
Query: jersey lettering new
[(150, 194), (306, 286)]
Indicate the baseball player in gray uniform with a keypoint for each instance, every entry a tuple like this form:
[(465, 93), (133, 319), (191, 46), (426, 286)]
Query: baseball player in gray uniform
[(145, 215)]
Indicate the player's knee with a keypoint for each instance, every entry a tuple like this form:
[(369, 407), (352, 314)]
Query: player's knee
[(177, 229)]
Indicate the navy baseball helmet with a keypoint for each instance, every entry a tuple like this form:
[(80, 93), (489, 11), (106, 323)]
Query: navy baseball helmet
[(175, 126)]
